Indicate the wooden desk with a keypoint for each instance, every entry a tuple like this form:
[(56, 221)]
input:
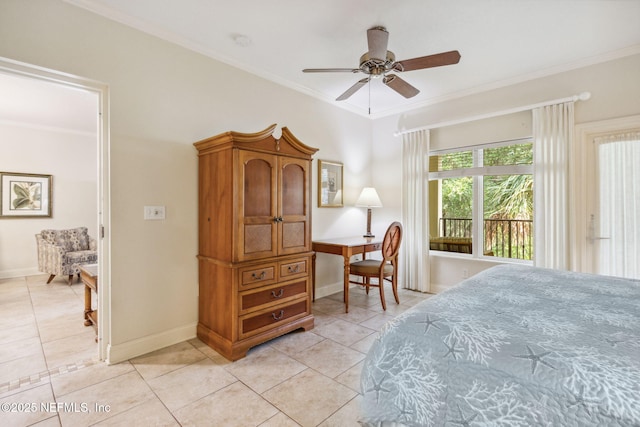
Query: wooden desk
[(347, 247), (89, 276)]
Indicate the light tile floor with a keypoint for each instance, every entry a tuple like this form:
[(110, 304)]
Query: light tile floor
[(50, 375)]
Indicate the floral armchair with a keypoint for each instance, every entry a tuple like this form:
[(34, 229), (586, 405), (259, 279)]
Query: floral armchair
[(62, 252)]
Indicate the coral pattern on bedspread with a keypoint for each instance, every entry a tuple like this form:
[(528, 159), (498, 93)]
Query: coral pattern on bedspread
[(511, 346)]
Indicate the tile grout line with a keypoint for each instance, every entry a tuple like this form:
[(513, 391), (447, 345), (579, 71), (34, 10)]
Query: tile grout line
[(44, 375), (41, 377)]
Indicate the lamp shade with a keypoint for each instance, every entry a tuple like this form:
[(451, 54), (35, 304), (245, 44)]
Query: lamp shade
[(369, 198)]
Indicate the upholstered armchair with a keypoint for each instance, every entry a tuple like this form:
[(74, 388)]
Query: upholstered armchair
[(62, 252)]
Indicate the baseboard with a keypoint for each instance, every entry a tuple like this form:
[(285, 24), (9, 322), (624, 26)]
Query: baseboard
[(438, 289), (10, 274), (128, 350), (334, 288), (331, 289)]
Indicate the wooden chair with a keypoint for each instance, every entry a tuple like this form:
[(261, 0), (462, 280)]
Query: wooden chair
[(384, 269)]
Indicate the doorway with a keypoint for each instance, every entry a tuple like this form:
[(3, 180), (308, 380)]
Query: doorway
[(99, 92), (611, 214)]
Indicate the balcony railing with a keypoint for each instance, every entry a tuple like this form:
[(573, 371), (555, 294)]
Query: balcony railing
[(507, 238)]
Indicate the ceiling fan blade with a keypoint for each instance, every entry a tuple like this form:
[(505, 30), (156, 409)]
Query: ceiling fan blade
[(400, 86), (353, 89), (377, 38), (331, 70), (437, 60)]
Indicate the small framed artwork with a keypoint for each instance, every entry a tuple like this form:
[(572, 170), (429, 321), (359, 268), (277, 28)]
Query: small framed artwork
[(25, 195), (329, 184)]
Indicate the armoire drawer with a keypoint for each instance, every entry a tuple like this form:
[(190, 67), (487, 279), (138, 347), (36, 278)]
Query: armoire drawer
[(251, 300), (293, 268), (260, 275), (271, 318)]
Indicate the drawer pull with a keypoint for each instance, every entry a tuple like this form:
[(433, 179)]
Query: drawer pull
[(256, 277), (278, 295), (294, 269), (279, 316)]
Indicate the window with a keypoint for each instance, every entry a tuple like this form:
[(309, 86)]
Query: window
[(491, 185)]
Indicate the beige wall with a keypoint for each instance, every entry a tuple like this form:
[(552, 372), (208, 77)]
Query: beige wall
[(615, 92), (162, 99)]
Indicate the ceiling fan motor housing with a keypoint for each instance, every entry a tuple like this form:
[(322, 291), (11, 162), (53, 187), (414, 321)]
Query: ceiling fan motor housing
[(376, 67)]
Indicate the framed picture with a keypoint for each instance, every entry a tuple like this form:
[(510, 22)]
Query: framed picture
[(25, 195), (329, 184)]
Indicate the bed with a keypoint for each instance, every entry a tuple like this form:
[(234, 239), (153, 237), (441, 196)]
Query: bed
[(511, 346)]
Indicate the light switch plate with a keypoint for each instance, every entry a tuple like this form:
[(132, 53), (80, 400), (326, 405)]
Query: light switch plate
[(154, 212)]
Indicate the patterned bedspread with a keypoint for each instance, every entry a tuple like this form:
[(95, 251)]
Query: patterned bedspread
[(511, 346)]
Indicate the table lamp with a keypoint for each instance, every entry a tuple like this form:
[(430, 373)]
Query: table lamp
[(369, 199)]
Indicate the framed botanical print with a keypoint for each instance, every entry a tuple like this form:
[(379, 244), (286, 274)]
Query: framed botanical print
[(25, 195), (329, 184)]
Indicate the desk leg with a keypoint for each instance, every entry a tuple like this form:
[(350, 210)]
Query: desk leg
[(346, 283), (87, 305), (313, 277)]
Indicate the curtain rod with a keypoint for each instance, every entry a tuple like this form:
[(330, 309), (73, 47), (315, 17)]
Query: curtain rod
[(581, 97)]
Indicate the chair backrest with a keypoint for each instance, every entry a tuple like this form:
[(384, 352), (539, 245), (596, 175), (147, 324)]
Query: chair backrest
[(391, 241), (75, 239)]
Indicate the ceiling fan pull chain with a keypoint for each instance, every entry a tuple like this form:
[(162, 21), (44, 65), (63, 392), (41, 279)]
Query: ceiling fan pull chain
[(369, 95)]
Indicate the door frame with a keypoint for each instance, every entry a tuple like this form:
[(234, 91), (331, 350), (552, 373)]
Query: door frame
[(581, 199), (103, 240)]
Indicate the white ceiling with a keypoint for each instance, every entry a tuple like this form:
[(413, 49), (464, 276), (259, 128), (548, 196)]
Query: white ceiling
[(26, 101), (501, 41)]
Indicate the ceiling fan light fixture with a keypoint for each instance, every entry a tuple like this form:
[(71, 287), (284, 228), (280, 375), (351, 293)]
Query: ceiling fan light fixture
[(376, 72)]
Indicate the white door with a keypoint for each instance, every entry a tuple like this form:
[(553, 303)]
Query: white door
[(613, 234)]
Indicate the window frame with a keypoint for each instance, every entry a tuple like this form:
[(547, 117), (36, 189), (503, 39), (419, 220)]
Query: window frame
[(477, 172)]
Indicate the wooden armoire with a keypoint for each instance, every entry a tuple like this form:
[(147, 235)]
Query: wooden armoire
[(254, 250)]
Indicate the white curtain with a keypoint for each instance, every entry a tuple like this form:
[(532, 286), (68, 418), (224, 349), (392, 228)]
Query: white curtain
[(415, 210), (619, 178), (553, 138)]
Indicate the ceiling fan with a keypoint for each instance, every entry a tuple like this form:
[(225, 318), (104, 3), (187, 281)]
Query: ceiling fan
[(379, 61)]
